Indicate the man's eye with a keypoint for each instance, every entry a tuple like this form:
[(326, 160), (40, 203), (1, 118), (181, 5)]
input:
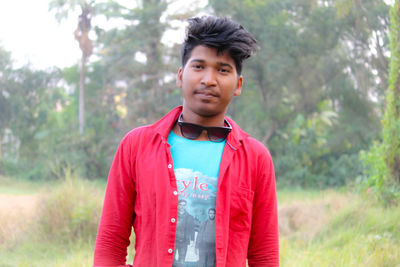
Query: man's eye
[(224, 70), (197, 66)]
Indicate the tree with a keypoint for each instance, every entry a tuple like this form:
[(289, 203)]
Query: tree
[(309, 88), (391, 120), (63, 8), (5, 72), (383, 160), (138, 67), (129, 82), (28, 99), (133, 57)]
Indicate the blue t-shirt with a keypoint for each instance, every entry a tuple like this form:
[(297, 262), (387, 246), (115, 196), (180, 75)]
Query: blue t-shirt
[(196, 166)]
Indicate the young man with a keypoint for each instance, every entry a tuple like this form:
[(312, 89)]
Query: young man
[(168, 177)]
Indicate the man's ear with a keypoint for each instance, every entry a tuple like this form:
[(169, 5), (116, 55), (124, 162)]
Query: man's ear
[(239, 86), (179, 78)]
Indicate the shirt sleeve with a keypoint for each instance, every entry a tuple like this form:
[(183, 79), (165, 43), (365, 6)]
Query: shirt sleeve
[(118, 210), (264, 241)]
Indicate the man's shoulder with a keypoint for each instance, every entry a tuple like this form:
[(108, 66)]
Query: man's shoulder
[(139, 131), (256, 147), (137, 135), (253, 146), (161, 127)]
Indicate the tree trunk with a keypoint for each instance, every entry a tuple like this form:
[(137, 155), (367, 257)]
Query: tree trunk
[(86, 45), (82, 95)]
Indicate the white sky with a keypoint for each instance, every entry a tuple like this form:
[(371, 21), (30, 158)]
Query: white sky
[(32, 34)]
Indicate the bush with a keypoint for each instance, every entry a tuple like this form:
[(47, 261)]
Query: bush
[(377, 181), (70, 212)]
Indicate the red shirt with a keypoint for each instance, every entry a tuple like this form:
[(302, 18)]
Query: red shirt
[(142, 192)]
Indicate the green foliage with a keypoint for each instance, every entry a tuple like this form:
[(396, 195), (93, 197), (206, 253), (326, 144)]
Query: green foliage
[(145, 92), (33, 99), (383, 160), (305, 158), (306, 90), (306, 93), (391, 119), (377, 182), (43, 118)]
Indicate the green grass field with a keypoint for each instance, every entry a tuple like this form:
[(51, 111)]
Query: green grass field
[(55, 225)]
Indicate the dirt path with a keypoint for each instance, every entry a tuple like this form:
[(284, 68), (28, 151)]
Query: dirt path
[(23, 205), (15, 214)]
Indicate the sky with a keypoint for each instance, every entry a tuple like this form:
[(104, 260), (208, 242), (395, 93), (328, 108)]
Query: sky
[(33, 35)]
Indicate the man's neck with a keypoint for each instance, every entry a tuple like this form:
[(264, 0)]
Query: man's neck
[(203, 136), (208, 121), (195, 117)]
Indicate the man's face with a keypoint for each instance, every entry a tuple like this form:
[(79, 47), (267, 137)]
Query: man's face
[(211, 215), (181, 207), (208, 82)]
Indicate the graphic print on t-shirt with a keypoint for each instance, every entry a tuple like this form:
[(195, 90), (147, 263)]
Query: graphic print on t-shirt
[(195, 230), (194, 184), (196, 166)]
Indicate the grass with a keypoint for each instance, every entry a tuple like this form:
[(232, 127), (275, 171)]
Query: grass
[(60, 231), (317, 228), (18, 187), (359, 233)]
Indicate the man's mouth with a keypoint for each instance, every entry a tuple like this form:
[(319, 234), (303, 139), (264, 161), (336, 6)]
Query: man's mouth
[(206, 93)]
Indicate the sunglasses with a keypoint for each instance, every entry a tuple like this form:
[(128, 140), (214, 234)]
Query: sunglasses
[(192, 131)]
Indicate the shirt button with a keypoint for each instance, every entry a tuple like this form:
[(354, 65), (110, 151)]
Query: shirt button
[(173, 220), (175, 193), (170, 251), (169, 166)]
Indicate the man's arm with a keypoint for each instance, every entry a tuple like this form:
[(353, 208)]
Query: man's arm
[(264, 242), (118, 210)]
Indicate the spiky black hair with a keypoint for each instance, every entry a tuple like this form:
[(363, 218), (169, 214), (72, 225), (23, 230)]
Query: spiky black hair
[(223, 34)]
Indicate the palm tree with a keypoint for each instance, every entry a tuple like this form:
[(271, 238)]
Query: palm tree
[(63, 9)]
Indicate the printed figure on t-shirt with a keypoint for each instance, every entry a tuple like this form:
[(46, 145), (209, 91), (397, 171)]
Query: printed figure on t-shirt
[(184, 233), (205, 242)]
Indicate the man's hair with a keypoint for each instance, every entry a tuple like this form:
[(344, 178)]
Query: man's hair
[(182, 201), (211, 209), (223, 34)]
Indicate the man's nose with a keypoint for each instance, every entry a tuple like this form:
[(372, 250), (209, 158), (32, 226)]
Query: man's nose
[(209, 77)]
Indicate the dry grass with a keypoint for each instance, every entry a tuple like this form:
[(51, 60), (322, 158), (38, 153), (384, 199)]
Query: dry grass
[(59, 224), (70, 212), (16, 215), (57, 227), (306, 218), (339, 230)]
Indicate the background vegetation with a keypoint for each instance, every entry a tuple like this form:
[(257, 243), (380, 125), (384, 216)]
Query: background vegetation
[(322, 94), (314, 94)]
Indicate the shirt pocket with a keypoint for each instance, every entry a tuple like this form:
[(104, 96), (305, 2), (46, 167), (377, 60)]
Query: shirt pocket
[(241, 210)]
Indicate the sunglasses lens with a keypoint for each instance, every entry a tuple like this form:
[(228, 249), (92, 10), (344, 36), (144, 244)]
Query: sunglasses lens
[(190, 131), (218, 134)]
